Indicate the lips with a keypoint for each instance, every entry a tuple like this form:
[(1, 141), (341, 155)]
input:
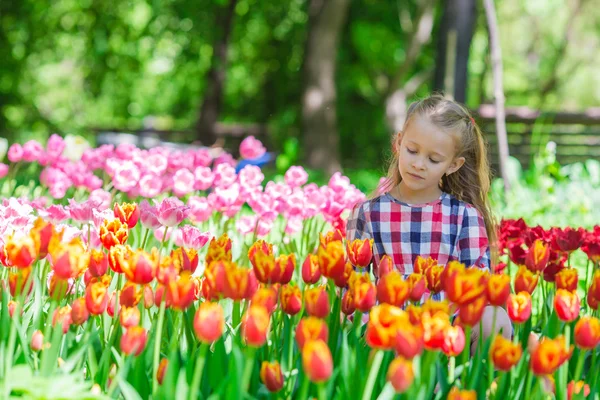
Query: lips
[(415, 176)]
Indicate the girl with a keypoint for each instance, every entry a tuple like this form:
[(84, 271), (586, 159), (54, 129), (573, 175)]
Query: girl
[(434, 200)]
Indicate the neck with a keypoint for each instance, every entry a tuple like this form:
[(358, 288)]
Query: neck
[(407, 195)]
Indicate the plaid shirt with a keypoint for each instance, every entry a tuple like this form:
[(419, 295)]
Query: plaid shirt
[(446, 229)]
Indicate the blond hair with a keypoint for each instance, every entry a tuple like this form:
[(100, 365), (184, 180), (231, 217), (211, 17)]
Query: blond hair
[(471, 183)]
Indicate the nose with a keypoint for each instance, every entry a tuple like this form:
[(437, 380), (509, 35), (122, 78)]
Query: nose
[(418, 164)]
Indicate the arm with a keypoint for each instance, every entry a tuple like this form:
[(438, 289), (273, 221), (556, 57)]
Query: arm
[(473, 245)]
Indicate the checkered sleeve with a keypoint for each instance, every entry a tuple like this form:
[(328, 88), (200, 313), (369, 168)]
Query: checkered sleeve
[(357, 226), (473, 245)]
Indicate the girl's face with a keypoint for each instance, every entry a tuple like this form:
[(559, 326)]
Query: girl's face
[(425, 154)]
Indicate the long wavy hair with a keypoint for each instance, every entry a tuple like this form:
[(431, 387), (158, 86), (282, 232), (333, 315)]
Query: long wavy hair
[(471, 183)]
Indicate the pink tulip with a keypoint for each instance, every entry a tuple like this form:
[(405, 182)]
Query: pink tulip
[(159, 234), (55, 213), (102, 197), (156, 164), (192, 237), (251, 148), (55, 146), (202, 158), (200, 209), (224, 158), (150, 185), (15, 153), (224, 176), (296, 176), (126, 176), (203, 178), (3, 170), (294, 225), (339, 183), (183, 182), (251, 176), (245, 225), (148, 216), (171, 211), (82, 212), (32, 150)]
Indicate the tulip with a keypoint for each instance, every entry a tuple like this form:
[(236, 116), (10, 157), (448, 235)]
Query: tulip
[(112, 233), (170, 212), (409, 341), (579, 387), (393, 289), (140, 267), (131, 295), (348, 306), (385, 266), (219, 250), (19, 253), (162, 370), (98, 263), (400, 374), (364, 292), (549, 355), (37, 341), (266, 297), (69, 260), (462, 287), (291, 299), (587, 332), (79, 311), (262, 259), (41, 233), (311, 328), (471, 313), (286, 264), (454, 341), (117, 256), (504, 353), (332, 260), (569, 239), (129, 316), (384, 322), (236, 282), (342, 280), (331, 236), (525, 280), (432, 278), (311, 273), (271, 376), (62, 316), (134, 340), (566, 305), (255, 326), (423, 264), (518, 307), (498, 289), (316, 301), (567, 279), (96, 298), (537, 256), (434, 327), (185, 259), (457, 394), (127, 213), (414, 314), (17, 281), (317, 361), (360, 252), (209, 322), (417, 286)]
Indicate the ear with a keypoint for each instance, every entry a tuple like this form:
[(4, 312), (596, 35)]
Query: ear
[(455, 165), (397, 140)]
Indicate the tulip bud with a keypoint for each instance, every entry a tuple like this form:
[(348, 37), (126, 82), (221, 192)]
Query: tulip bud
[(417, 286), (271, 376), (291, 299), (393, 289), (471, 313), (37, 341), (263, 261), (311, 328), (96, 298), (209, 322), (348, 303), (79, 311), (311, 273), (134, 340), (286, 264), (62, 316), (567, 279), (579, 387), (255, 326), (127, 213), (518, 307), (129, 316), (384, 322), (162, 370), (433, 278), (409, 341), (587, 333), (266, 297), (385, 266), (332, 260), (360, 252), (423, 264), (454, 341), (537, 256), (317, 302), (525, 280), (317, 361), (566, 305), (549, 355), (504, 353), (400, 374), (112, 233), (463, 287), (98, 263), (498, 289)]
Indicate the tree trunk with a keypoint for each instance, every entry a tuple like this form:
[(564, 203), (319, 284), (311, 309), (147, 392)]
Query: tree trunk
[(321, 139), (490, 13), (454, 42), (211, 104)]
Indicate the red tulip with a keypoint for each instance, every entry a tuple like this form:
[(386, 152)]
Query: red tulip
[(400, 374), (209, 322), (360, 252), (518, 307), (566, 305), (255, 326), (311, 273), (317, 361), (134, 340), (271, 376)]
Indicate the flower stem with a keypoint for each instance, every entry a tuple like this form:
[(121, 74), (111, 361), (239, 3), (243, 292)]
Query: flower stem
[(200, 361), (248, 367), (159, 329), (373, 370)]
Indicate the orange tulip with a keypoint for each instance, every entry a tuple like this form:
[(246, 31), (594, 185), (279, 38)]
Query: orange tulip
[(134, 340), (414, 313), (287, 265), (129, 316), (587, 332), (549, 355), (457, 394), (117, 255), (537, 256), (291, 299), (255, 326), (236, 282), (127, 213), (471, 313), (384, 322), (311, 328), (332, 260), (348, 306), (79, 311), (316, 301), (69, 260), (263, 261), (454, 341), (131, 295), (185, 259), (504, 353), (433, 278), (19, 252), (409, 341), (451, 269), (317, 361), (311, 272), (400, 374), (462, 287), (579, 387), (41, 233), (423, 264), (271, 376), (567, 279), (342, 280), (140, 267), (434, 326), (58, 288), (17, 281), (219, 249), (360, 252), (417, 286), (96, 298), (498, 289), (385, 266), (266, 297), (112, 233), (62, 316), (209, 322), (566, 305), (162, 370), (98, 263), (37, 341), (518, 307), (181, 292), (393, 289), (331, 236), (364, 292), (525, 280)]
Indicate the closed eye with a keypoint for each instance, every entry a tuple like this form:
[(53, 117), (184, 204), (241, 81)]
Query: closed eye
[(411, 151), (434, 161)]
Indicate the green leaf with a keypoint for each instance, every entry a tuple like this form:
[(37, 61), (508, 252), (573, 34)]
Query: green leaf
[(128, 392)]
